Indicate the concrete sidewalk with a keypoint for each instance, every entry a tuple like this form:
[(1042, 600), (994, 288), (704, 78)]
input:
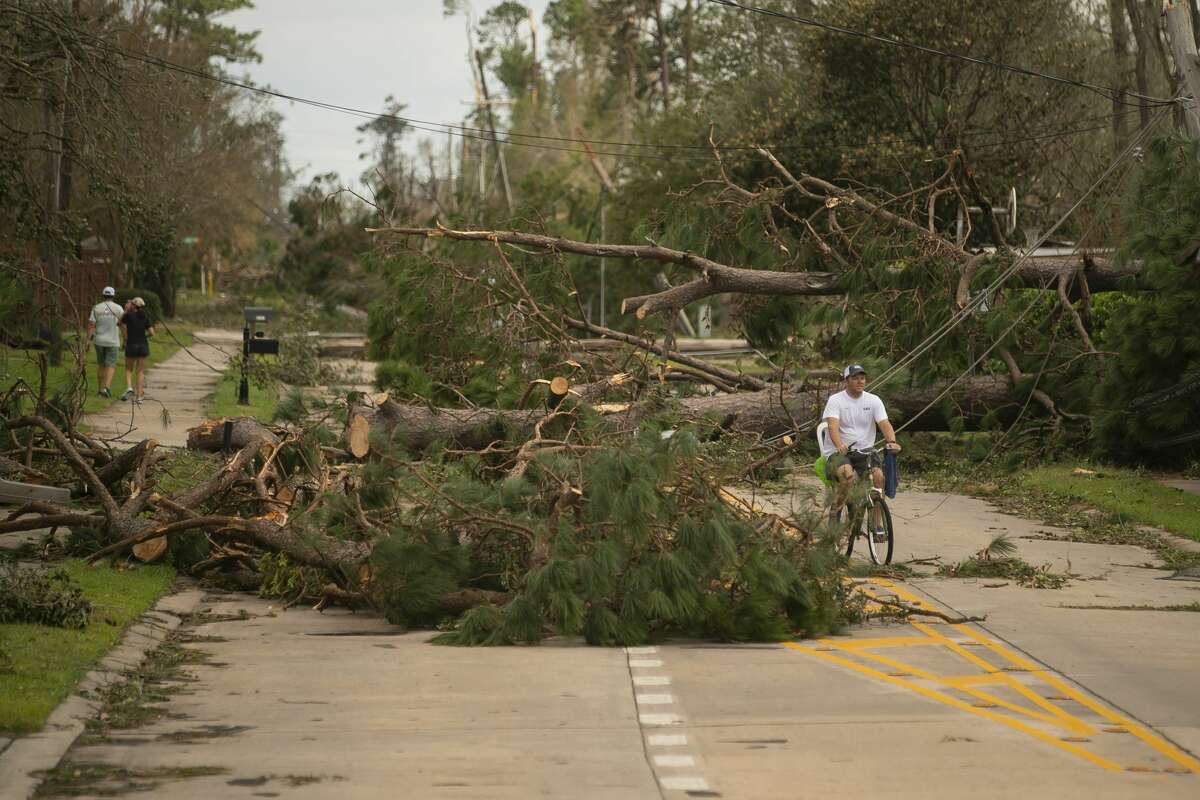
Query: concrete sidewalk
[(180, 387)]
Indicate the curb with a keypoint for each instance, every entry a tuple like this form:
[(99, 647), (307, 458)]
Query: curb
[(43, 750)]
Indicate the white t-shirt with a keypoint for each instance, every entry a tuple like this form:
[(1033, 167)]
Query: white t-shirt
[(856, 420), (106, 315)]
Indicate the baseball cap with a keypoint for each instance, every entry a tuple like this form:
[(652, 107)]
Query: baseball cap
[(108, 291), (853, 369), (139, 302)]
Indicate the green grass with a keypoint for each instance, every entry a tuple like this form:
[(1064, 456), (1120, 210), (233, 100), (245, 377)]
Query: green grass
[(47, 662), (1134, 497), (263, 402), (23, 364)]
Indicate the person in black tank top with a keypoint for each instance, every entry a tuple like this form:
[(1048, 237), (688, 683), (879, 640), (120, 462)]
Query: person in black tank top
[(138, 331)]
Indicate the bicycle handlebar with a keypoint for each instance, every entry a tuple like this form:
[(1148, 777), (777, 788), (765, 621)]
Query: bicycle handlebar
[(868, 451)]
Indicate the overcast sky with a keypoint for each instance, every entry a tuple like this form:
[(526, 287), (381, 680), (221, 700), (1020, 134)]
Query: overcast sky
[(355, 53)]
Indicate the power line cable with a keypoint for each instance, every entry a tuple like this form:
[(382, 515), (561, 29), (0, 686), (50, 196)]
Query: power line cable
[(485, 135), (1104, 91), (972, 304)]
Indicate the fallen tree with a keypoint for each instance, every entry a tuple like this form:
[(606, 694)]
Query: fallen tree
[(1100, 273), (766, 412), (545, 529), (921, 291)]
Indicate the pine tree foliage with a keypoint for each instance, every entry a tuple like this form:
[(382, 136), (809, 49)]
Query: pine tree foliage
[(617, 544), (1149, 398)]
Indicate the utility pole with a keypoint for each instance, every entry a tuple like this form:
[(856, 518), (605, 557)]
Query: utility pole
[(52, 115), (606, 187), (534, 77), (1183, 49), (491, 118)]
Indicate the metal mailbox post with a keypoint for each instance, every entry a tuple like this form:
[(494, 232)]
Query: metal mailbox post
[(254, 341)]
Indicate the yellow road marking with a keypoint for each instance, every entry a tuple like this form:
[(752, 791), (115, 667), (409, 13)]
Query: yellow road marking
[(1067, 720), (886, 641), (992, 675), (954, 702), (1069, 723), (1157, 742), (972, 680)]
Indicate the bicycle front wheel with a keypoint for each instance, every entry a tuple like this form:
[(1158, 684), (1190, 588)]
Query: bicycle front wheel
[(853, 526), (881, 538)]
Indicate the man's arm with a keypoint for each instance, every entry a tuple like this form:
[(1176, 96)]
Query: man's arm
[(889, 435), (835, 435)]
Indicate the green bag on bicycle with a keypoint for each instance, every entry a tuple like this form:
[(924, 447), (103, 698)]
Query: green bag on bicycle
[(819, 468)]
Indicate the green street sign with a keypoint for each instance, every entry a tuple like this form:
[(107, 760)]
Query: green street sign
[(191, 239)]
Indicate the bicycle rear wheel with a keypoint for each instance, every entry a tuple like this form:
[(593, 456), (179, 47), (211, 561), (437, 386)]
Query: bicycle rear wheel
[(880, 544)]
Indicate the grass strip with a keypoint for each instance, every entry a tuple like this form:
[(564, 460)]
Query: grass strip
[(45, 663), (1134, 497), (263, 401), (18, 364)]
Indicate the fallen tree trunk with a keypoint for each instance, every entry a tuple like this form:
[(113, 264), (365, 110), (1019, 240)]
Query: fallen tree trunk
[(767, 412), (124, 462), (717, 278), (210, 436), (417, 427)]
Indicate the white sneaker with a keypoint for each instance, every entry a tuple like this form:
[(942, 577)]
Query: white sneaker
[(128, 393)]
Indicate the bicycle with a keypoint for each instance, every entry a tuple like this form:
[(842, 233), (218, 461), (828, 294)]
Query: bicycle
[(879, 546), (881, 541)]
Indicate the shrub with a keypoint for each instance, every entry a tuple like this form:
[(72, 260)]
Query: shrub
[(42, 598)]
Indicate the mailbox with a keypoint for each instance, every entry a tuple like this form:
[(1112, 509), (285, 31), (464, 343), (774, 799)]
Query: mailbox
[(261, 345), (254, 342)]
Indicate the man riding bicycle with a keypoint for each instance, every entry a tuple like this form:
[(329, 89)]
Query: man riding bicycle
[(852, 416)]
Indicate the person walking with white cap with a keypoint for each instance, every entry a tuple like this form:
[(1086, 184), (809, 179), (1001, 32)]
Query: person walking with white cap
[(103, 330)]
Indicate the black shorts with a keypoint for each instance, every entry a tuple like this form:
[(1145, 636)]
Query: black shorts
[(861, 462), (137, 349)]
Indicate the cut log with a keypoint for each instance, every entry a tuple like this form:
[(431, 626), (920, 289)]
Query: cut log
[(209, 435), (417, 427), (559, 386), (358, 436), (150, 550)]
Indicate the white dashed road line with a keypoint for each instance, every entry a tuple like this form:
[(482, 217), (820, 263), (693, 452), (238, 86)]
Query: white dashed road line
[(666, 740), (676, 769), (654, 700), (644, 663), (651, 680)]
